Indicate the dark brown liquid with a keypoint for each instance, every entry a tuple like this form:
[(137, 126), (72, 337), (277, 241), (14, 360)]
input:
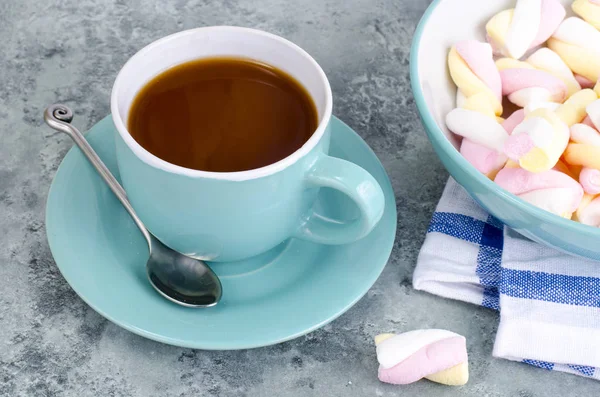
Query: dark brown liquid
[(222, 115)]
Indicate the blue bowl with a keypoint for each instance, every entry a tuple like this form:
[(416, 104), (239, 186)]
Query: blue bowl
[(444, 23)]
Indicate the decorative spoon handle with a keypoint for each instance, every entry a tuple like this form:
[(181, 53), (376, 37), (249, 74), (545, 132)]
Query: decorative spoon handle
[(59, 117)]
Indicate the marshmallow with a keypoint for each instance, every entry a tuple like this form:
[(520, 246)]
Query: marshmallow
[(584, 155), (551, 190), (574, 109), (589, 10), (578, 44), (488, 161), (538, 142), (474, 73), (524, 85), (547, 60), (558, 201), (513, 120), (588, 212), (512, 32), (593, 112), (435, 354), (581, 133), (590, 180), (477, 128), (583, 82)]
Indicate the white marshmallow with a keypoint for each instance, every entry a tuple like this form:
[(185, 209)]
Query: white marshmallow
[(529, 95), (590, 215), (579, 33), (524, 27), (582, 133), (539, 130), (477, 127), (559, 201), (398, 348), (593, 110)]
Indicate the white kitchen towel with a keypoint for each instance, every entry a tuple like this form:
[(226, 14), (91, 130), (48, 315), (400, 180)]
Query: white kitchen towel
[(549, 302)]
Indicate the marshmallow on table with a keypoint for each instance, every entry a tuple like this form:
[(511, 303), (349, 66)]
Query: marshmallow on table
[(551, 190), (589, 10), (578, 44), (434, 354), (538, 142), (473, 71), (524, 84), (513, 32)]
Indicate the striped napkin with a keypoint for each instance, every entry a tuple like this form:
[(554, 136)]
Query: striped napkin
[(549, 302)]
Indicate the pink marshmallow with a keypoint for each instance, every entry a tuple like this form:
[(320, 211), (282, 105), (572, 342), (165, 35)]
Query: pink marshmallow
[(518, 79), (590, 180), (518, 146), (484, 159), (587, 121), (553, 14), (430, 359), (514, 120), (519, 181), (584, 82), (479, 58)]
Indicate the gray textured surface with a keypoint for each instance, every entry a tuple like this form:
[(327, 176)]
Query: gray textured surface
[(51, 343)]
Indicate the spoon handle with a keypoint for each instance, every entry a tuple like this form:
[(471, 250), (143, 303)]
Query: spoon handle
[(59, 117)]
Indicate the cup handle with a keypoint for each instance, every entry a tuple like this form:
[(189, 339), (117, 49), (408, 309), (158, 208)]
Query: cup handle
[(354, 182)]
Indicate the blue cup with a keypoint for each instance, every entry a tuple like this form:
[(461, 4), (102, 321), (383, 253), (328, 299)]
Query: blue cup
[(235, 215)]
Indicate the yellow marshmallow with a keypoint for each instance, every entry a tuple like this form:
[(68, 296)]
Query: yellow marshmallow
[(584, 155), (469, 83), (585, 201), (509, 63), (499, 119), (453, 376), (543, 159), (582, 61), (381, 337), (498, 26), (512, 164), (587, 11), (573, 110), (480, 103), (597, 88)]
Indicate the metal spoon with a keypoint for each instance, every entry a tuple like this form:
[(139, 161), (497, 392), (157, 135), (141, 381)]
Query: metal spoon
[(181, 279)]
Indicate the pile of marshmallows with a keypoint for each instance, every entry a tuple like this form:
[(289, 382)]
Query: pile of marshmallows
[(548, 151)]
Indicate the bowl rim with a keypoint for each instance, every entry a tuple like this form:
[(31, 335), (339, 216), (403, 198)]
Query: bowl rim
[(436, 134)]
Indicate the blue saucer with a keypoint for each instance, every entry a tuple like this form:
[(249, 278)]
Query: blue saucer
[(289, 291)]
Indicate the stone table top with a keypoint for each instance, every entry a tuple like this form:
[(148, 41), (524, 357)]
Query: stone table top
[(53, 344)]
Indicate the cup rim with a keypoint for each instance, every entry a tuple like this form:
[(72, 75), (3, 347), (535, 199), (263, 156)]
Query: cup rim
[(267, 170), (434, 133)]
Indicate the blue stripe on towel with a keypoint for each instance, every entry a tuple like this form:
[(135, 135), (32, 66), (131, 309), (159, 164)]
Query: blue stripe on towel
[(557, 288), (489, 260), (540, 364), (456, 225), (582, 369), (490, 239)]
